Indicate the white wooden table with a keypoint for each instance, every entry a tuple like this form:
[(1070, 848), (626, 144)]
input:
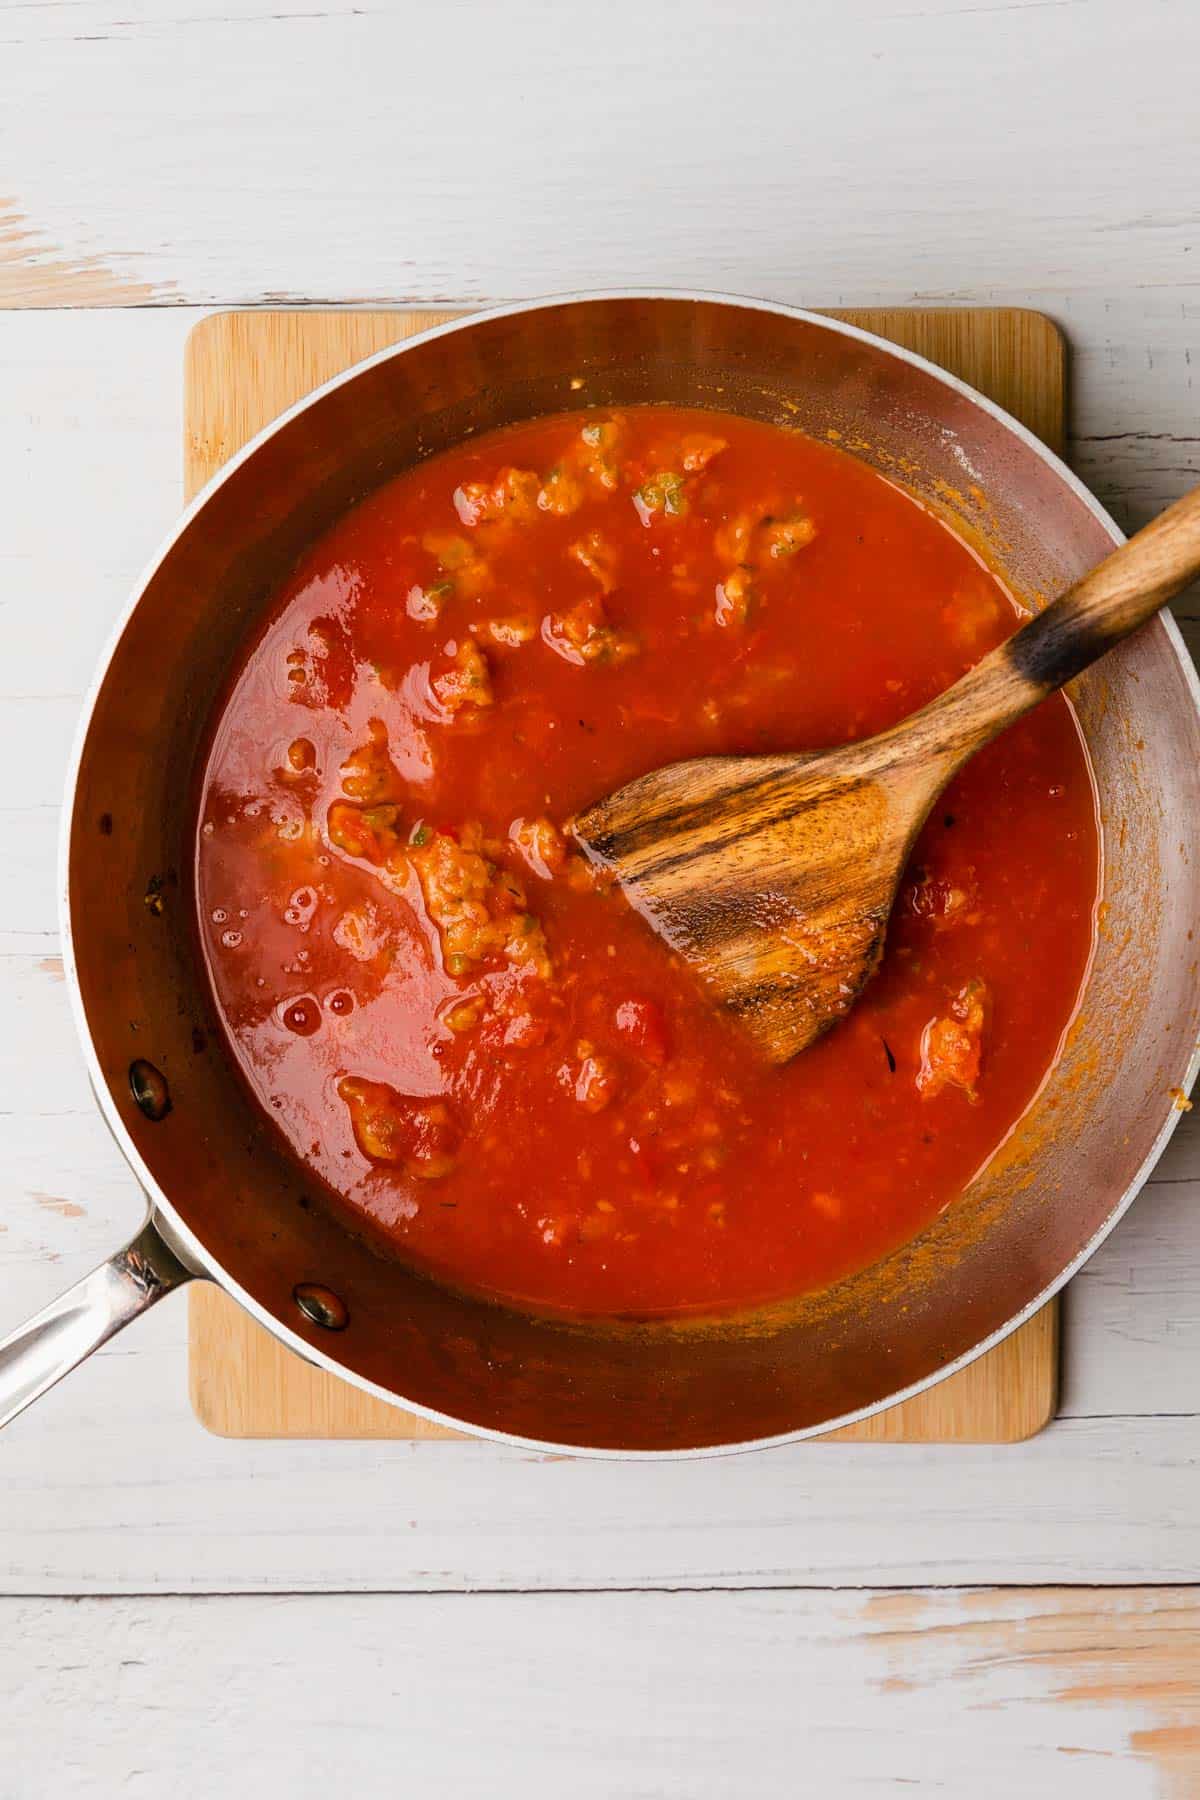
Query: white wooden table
[(201, 1617)]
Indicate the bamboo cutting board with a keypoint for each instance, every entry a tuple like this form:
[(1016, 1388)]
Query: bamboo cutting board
[(242, 370)]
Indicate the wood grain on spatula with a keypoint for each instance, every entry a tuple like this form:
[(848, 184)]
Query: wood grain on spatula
[(775, 876)]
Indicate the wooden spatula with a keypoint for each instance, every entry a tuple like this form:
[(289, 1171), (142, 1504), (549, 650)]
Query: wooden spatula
[(775, 875)]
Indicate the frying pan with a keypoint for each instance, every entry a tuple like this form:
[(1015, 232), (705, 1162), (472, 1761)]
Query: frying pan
[(228, 1203)]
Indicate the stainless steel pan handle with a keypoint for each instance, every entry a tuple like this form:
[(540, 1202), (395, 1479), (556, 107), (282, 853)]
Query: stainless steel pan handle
[(48, 1346)]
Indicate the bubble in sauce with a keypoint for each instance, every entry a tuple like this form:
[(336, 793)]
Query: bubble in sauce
[(300, 908), (302, 1016)]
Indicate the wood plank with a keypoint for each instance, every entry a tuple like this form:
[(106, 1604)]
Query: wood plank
[(1075, 1695), (111, 1487), (241, 371), (893, 148)]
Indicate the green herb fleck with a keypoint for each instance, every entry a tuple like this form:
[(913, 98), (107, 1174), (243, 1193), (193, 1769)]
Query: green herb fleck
[(664, 493)]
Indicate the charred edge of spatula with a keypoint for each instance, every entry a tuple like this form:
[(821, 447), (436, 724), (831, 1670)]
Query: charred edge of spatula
[(1055, 645)]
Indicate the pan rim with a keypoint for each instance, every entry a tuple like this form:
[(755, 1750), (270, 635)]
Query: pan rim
[(180, 1235)]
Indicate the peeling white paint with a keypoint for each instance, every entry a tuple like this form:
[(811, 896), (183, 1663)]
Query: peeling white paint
[(845, 150)]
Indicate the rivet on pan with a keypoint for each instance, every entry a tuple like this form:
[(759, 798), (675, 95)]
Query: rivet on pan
[(149, 1088), (105, 822), (321, 1305)]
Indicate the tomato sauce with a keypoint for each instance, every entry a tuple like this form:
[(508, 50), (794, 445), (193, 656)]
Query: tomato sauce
[(487, 1059)]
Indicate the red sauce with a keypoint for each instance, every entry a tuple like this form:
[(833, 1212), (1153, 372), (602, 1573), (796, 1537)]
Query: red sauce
[(490, 1061)]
